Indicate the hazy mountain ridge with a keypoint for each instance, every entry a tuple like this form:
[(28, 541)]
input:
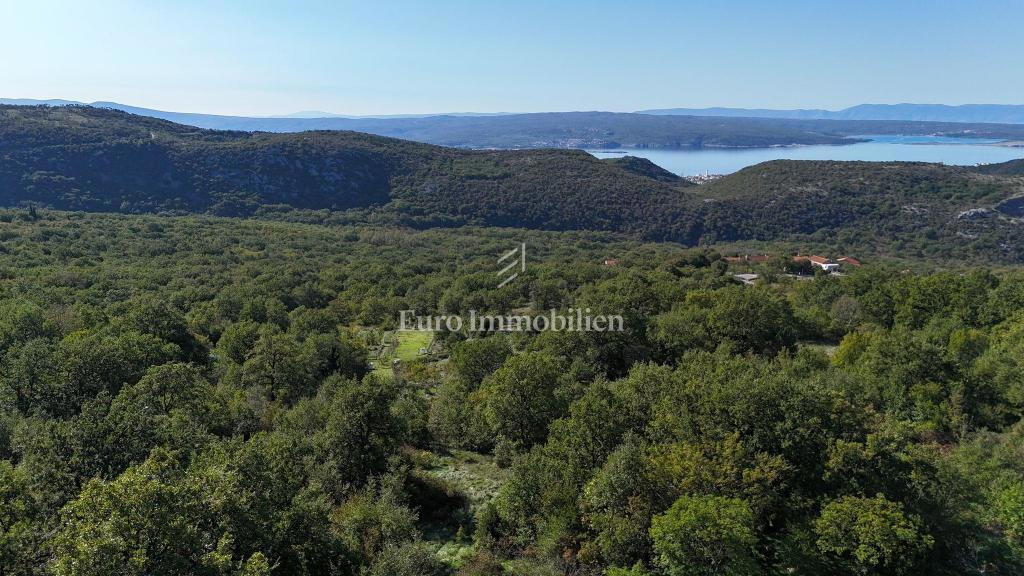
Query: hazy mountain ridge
[(966, 113), (543, 130), (590, 130)]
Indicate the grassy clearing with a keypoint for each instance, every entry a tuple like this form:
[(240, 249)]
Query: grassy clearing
[(470, 478), (474, 475), (828, 348), (532, 567), (410, 343), (401, 345)]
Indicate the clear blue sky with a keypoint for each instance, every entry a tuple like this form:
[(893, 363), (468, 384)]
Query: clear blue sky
[(384, 57)]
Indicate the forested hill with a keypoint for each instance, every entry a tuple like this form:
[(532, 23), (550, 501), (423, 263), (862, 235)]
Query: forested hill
[(1010, 168), (644, 167), (908, 209), (81, 158)]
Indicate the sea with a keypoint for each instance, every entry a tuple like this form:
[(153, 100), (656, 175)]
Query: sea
[(877, 148)]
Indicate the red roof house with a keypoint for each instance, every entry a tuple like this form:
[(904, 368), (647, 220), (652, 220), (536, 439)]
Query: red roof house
[(819, 261)]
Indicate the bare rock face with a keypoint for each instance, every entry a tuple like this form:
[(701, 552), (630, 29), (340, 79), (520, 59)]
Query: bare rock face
[(975, 214)]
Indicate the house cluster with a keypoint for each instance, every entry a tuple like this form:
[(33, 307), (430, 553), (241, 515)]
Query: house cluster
[(822, 262), (826, 264), (829, 265), (819, 261)]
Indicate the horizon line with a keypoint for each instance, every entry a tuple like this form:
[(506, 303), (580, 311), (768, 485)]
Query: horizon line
[(321, 114)]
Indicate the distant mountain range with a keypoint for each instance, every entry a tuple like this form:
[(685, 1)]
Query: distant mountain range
[(709, 128), (214, 118), (972, 113), (597, 130)]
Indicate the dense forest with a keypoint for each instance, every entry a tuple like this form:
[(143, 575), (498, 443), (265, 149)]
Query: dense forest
[(81, 158), (207, 395)]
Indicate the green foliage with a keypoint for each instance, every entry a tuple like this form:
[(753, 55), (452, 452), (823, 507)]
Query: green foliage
[(705, 535), (637, 570), (1010, 511), (872, 534), (19, 514), (456, 416), (375, 520), (618, 504), (238, 340), (409, 560), (474, 360), (753, 320), (522, 398), (151, 520)]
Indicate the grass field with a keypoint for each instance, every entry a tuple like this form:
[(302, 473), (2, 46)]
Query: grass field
[(407, 349), (410, 342)]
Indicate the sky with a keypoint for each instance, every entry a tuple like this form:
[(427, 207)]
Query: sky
[(392, 57)]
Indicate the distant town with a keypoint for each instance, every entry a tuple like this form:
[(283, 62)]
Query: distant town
[(703, 178)]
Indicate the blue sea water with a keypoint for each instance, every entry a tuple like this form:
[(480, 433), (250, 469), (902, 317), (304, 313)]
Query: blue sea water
[(947, 150)]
